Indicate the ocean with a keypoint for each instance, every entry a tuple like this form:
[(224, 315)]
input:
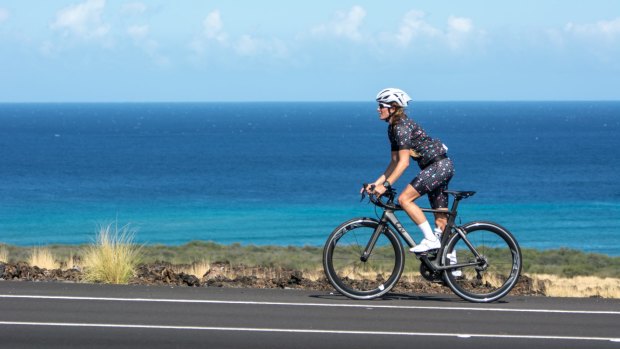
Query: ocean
[(289, 173)]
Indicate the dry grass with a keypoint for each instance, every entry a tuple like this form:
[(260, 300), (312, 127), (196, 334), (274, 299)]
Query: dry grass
[(227, 271), (4, 255), (113, 258), (578, 286), (314, 275), (69, 263), (410, 276), (42, 258), (198, 269)]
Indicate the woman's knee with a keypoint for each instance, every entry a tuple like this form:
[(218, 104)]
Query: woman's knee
[(408, 196), (402, 200)]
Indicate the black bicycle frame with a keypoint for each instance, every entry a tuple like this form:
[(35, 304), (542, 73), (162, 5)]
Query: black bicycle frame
[(390, 218)]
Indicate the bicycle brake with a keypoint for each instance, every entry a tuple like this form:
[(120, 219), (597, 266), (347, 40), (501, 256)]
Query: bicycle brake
[(365, 185)]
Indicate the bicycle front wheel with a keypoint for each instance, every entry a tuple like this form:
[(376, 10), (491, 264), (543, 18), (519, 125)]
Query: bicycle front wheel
[(357, 277), (494, 259)]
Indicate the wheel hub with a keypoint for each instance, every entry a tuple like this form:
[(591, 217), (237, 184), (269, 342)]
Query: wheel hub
[(483, 263)]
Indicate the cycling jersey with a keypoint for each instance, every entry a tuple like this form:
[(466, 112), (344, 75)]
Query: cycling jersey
[(435, 172), (407, 134)]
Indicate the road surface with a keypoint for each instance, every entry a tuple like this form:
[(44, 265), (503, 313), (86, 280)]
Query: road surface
[(67, 315)]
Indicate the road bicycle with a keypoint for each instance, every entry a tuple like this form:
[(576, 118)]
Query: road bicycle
[(364, 258)]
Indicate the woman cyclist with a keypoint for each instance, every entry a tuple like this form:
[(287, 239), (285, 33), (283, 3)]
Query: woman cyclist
[(409, 140)]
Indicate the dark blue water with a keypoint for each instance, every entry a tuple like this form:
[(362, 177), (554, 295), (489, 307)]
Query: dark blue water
[(288, 173)]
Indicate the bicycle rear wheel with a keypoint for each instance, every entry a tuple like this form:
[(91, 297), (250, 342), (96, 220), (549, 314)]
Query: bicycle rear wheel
[(349, 273), (496, 269)]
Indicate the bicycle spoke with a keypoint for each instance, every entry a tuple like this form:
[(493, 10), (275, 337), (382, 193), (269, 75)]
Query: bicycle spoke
[(496, 269), (359, 278)]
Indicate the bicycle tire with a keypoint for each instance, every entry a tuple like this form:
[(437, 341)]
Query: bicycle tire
[(498, 270), (355, 278)]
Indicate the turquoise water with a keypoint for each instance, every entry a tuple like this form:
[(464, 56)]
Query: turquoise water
[(288, 173), (586, 226)]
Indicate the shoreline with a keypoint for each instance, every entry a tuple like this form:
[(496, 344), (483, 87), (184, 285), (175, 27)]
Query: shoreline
[(561, 272)]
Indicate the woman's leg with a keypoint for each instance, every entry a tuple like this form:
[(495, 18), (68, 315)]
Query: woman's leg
[(406, 201), (432, 177), (437, 197)]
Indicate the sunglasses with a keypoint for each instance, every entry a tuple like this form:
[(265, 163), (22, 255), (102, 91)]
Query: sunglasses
[(384, 106)]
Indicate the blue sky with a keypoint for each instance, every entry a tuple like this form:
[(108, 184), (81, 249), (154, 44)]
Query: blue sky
[(131, 51)]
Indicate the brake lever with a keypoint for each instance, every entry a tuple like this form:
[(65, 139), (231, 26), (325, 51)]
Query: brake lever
[(372, 188), (364, 192)]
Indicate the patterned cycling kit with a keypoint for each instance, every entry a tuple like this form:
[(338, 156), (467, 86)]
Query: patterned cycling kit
[(436, 168)]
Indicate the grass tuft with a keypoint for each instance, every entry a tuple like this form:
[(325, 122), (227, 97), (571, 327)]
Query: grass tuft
[(112, 258), (42, 258), (4, 254), (198, 269), (578, 286)]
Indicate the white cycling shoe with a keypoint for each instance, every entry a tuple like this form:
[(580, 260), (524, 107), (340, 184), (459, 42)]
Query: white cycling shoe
[(426, 245)]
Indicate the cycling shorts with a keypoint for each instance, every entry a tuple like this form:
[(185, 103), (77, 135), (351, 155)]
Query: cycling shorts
[(433, 180)]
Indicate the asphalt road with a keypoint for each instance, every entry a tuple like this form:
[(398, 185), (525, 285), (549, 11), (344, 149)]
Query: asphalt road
[(64, 315)]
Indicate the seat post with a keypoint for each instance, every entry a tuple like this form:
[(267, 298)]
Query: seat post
[(453, 210)]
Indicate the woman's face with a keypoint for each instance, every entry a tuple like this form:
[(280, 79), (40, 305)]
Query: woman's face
[(384, 112)]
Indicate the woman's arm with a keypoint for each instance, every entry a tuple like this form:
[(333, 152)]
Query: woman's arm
[(398, 164), (388, 171)]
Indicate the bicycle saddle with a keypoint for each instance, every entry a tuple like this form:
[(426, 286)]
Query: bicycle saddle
[(460, 194)]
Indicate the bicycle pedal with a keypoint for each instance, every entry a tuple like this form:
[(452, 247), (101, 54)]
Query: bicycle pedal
[(429, 253), (425, 256)]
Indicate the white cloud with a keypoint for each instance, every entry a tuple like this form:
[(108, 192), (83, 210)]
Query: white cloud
[(459, 30), (4, 15), (212, 32), (82, 20), (605, 30), (133, 8), (460, 24), (414, 27), (345, 25), (212, 27), (599, 39)]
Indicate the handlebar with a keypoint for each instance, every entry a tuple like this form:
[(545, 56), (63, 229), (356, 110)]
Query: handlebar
[(390, 194)]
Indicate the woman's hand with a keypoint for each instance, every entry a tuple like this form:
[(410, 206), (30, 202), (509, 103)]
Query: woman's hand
[(367, 188), (379, 190)]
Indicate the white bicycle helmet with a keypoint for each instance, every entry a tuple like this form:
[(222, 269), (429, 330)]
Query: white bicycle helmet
[(389, 95)]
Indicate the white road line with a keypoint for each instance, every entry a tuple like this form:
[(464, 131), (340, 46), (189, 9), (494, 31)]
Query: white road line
[(336, 305), (297, 330)]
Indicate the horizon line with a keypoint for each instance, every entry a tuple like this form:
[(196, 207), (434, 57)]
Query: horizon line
[(316, 101)]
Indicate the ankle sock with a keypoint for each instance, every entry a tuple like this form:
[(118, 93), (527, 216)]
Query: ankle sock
[(427, 231), (437, 233)]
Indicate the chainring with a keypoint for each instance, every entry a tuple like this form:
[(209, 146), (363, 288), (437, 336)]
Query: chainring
[(430, 275)]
